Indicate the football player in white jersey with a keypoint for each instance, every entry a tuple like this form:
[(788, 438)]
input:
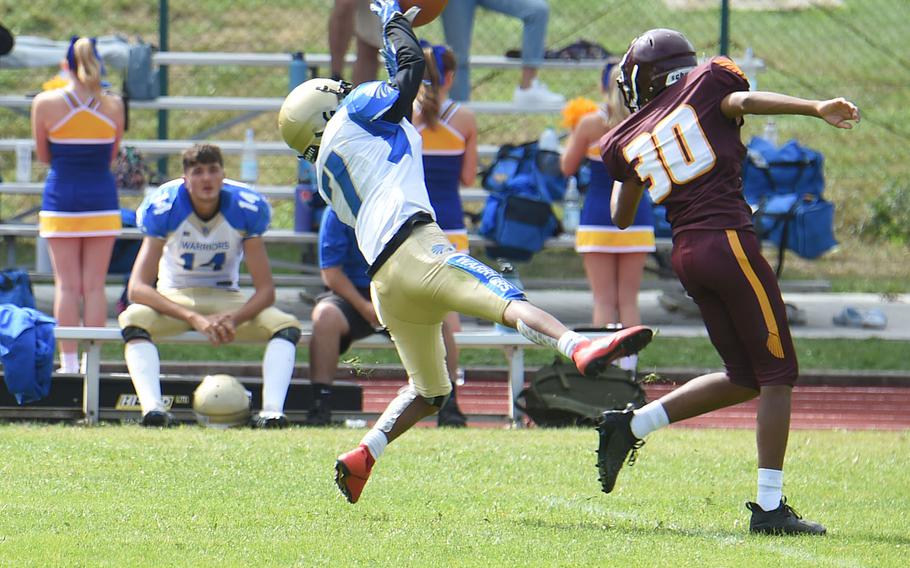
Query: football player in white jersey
[(370, 168), (197, 230)]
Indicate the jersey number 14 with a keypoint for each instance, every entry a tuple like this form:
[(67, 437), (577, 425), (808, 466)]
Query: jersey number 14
[(216, 262)]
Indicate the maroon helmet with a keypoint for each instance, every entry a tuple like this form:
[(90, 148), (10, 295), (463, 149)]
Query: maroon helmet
[(655, 60)]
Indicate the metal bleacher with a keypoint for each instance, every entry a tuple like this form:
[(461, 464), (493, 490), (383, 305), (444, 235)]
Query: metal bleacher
[(10, 231)]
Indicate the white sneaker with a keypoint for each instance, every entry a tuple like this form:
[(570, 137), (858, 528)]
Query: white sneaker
[(537, 95)]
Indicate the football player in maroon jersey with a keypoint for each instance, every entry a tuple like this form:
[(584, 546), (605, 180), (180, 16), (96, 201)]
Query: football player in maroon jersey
[(682, 144)]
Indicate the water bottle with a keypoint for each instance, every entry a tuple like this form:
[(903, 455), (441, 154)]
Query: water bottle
[(548, 152), (23, 161), (249, 165), (770, 133), (548, 141), (297, 70), (510, 274), (571, 208), (459, 376), (303, 193)]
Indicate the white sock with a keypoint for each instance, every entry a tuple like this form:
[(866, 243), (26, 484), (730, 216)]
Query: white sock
[(569, 342), (627, 363), (69, 362), (649, 418), (375, 441), (770, 488), (145, 370), (277, 368)]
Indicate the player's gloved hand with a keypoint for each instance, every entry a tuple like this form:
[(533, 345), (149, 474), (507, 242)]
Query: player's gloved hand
[(386, 10)]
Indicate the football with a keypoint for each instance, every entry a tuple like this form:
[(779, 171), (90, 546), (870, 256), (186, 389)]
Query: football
[(429, 9)]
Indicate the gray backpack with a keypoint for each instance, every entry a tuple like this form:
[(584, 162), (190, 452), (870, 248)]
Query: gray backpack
[(142, 81), (558, 395)]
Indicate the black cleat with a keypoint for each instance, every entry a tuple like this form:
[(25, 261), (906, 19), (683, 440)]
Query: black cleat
[(616, 441), (450, 415), (319, 415), (271, 422), (783, 520), (158, 419)]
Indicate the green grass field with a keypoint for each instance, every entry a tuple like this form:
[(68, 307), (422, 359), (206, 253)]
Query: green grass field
[(125, 496)]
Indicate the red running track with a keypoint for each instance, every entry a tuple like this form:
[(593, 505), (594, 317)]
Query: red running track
[(814, 407)]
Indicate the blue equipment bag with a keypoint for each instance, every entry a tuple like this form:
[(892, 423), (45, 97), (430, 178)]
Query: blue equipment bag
[(26, 352), (518, 224), (518, 217), (542, 167), (784, 187), (791, 168), (16, 288)]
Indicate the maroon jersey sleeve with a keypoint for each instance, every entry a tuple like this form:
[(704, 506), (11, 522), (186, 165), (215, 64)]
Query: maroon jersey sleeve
[(726, 77), (685, 151)]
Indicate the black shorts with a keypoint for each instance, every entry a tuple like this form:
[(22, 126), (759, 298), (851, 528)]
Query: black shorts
[(357, 326)]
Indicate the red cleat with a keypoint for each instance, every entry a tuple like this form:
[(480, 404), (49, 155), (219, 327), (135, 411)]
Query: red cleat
[(352, 471), (594, 356)]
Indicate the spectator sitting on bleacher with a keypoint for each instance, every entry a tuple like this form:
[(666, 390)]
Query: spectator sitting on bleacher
[(197, 230), (77, 129), (614, 259), (353, 18), (341, 315), (458, 23), (449, 132)]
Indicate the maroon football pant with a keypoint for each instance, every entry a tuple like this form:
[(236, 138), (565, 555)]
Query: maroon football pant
[(740, 302)]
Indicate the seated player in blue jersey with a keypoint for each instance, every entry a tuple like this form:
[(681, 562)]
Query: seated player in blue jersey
[(197, 230), (370, 168), (342, 315)]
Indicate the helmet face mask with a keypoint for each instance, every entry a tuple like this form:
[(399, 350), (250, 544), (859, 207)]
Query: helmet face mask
[(306, 111), (655, 60)]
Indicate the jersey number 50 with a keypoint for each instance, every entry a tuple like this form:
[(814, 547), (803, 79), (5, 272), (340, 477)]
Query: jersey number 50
[(675, 152)]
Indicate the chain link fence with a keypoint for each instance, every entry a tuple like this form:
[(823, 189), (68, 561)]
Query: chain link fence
[(810, 48)]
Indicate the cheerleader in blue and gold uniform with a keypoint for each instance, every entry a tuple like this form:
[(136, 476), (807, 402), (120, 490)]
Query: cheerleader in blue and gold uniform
[(614, 259), (449, 133), (77, 130)]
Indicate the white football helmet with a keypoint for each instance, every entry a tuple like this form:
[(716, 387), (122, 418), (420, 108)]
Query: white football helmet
[(221, 401), (305, 112)]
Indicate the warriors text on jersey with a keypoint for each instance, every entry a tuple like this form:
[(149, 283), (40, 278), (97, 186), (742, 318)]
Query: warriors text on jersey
[(372, 187), (686, 152), (197, 253)]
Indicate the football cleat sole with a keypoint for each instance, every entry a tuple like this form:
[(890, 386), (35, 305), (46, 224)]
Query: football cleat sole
[(596, 356)]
